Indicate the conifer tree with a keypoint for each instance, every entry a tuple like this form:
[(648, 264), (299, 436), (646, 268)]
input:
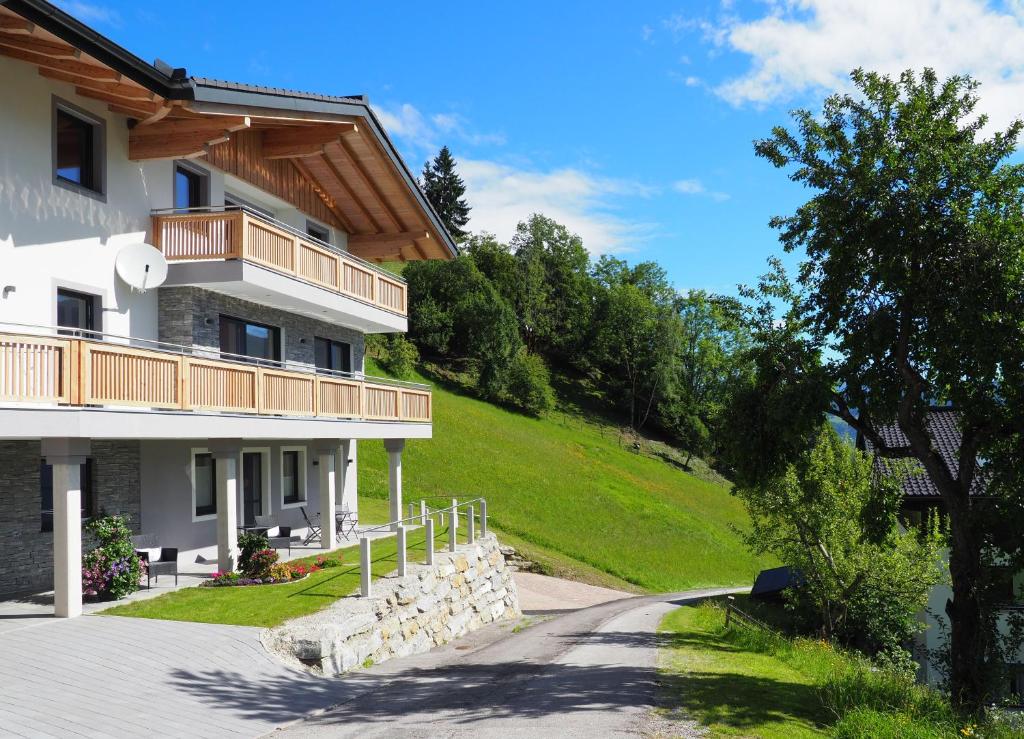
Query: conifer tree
[(445, 189)]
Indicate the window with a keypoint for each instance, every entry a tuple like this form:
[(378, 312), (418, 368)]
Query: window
[(318, 232), (191, 187), (76, 313), (293, 476), (78, 149), (204, 485), (1016, 694), (332, 355), (248, 339), (46, 493)]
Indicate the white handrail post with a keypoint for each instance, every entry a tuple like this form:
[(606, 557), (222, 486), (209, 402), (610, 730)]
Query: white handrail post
[(411, 509), (470, 524), (423, 512), (430, 540), (455, 513), (451, 532), (400, 536), (364, 565), (483, 517)]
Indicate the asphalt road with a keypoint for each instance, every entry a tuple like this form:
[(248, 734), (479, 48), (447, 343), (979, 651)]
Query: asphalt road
[(589, 673)]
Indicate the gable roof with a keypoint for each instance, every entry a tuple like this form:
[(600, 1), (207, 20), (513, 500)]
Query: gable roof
[(360, 175), (943, 423)]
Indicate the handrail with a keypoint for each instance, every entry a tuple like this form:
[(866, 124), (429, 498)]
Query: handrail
[(281, 225), (199, 351), (417, 517)]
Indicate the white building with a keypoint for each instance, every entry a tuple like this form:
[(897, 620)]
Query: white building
[(236, 387)]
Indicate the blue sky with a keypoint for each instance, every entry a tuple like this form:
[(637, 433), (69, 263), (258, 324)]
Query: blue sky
[(632, 123)]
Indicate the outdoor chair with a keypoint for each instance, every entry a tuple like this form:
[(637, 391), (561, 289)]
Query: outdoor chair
[(159, 560), (279, 537), (346, 522), (314, 528)]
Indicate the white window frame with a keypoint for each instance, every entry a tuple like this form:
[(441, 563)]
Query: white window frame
[(192, 475), (303, 482), (265, 482)]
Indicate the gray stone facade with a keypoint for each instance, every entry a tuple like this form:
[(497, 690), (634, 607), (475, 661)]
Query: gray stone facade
[(25, 550), (191, 316), (430, 606)]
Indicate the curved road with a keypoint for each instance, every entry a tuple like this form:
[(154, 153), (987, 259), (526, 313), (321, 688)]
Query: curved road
[(588, 673)]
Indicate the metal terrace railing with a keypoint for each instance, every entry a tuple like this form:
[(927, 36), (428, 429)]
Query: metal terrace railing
[(237, 232), (45, 365), (424, 518)]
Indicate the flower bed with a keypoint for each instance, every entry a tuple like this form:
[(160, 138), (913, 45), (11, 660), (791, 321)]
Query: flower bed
[(113, 569), (260, 567)]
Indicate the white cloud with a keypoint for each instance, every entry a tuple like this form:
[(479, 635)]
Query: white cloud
[(696, 187), (426, 134), (809, 46), (501, 196)]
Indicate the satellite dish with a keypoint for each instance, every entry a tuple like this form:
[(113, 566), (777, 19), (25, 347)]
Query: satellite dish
[(141, 266)]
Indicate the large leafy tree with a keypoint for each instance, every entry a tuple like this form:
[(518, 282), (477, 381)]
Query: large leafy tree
[(446, 191), (911, 294)]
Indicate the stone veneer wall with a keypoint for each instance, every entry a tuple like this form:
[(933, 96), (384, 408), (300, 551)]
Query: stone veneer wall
[(25, 551), (428, 607), (183, 320)]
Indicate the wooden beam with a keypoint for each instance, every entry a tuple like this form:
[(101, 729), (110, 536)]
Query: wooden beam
[(301, 141), (369, 184), (55, 49), (377, 252), (137, 110), (324, 196), (71, 66), (349, 192), (15, 24), (402, 238), (194, 126), (172, 147), (159, 114), (121, 90)]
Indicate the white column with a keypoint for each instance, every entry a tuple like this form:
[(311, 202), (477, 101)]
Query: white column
[(67, 456), (394, 448), (328, 494), (348, 476), (226, 461), (402, 555)]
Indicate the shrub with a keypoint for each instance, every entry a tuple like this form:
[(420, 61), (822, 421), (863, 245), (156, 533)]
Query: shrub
[(394, 352), (249, 543), (529, 383), (112, 569), (260, 563)]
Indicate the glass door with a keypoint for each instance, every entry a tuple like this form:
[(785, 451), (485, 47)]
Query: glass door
[(252, 487)]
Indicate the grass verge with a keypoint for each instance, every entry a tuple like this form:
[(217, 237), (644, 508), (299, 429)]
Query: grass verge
[(743, 681)]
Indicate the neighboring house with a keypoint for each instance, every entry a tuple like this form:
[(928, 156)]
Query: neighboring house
[(921, 497), (234, 389)]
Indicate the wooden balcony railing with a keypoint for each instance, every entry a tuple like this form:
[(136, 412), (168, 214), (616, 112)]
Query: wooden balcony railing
[(241, 234), (80, 372)]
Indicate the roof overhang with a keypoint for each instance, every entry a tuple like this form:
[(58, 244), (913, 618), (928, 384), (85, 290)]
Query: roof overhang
[(337, 144)]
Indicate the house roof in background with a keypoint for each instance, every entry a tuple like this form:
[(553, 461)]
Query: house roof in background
[(944, 429)]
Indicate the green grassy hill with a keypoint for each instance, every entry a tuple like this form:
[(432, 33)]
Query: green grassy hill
[(562, 491)]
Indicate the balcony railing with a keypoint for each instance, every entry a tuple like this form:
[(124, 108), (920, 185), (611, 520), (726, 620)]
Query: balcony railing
[(83, 372), (240, 233)]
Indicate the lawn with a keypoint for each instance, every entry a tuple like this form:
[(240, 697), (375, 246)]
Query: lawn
[(563, 490), (270, 605), (745, 681)]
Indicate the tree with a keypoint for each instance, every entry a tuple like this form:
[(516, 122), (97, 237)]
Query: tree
[(445, 189), (912, 294), (833, 519)]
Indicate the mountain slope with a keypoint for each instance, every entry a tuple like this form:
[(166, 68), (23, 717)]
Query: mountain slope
[(564, 492)]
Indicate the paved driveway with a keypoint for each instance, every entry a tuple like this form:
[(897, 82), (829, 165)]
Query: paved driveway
[(126, 677), (590, 673)]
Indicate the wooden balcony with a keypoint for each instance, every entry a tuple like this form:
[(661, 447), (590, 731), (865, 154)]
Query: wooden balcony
[(242, 234), (80, 372)]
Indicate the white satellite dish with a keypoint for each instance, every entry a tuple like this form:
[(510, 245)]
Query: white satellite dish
[(141, 266)]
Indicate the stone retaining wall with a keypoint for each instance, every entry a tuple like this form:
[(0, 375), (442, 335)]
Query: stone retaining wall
[(428, 607)]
